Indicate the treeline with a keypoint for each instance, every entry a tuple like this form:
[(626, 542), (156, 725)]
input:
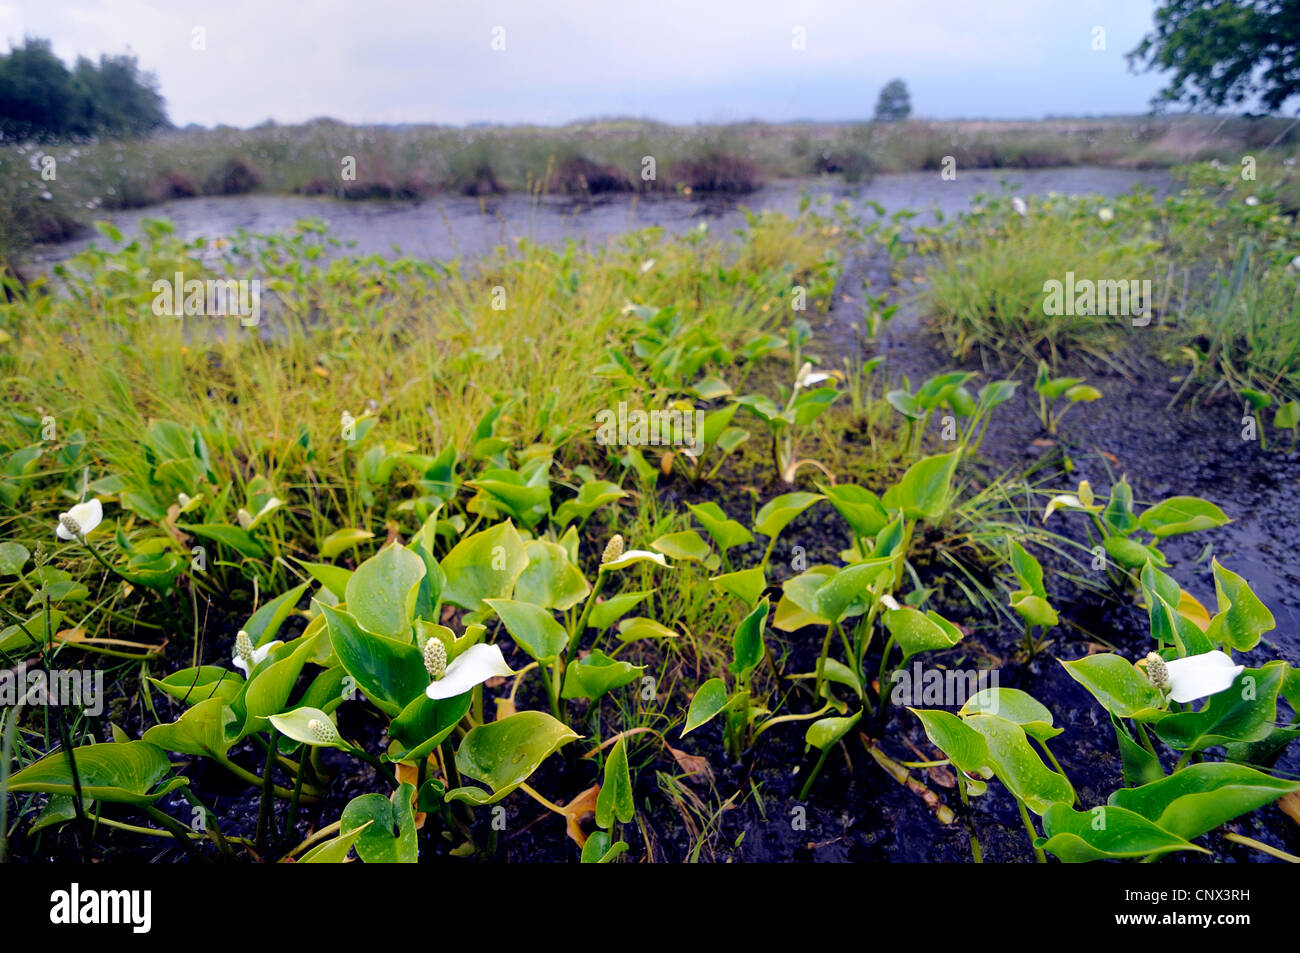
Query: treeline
[(41, 98)]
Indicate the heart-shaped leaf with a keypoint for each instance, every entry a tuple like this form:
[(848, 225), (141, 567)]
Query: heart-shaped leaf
[(381, 593), (389, 672), (386, 826), (125, 773), (1105, 833), (484, 566), (1200, 797), (504, 753)]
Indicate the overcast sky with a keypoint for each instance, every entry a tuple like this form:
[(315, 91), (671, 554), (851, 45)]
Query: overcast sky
[(675, 60)]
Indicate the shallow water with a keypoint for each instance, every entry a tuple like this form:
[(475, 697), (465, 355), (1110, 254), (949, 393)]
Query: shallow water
[(453, 226)]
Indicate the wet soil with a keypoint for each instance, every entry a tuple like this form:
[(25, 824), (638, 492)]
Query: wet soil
[(856, 811)]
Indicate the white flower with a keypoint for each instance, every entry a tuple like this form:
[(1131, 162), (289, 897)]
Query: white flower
[(1105, 214), (472, 667), (1067, 501), (807, 377), (1198, 676), (1295, 262), (80, 520), (1018, 204), (647, 265), (1252, 200), (246, 658), (889, 602), (632, 556)]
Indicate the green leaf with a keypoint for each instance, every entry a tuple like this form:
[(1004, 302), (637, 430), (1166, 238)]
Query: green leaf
[(1201, 797), (333, 851), (341, 540), (709, 701), (635, 628), (861, 508), (193, 685), (504, 753), (333, 578), (203, 730), (424, 724), (726, 532), (534, 629), (386, 826), (1181, 514), (1138, 765), (1119, 511), (917, 631), (850, 591), (389, 672), (599, 850), (964, 746), (604, 614), (124, 773), (687, 545), (1018, 766), (264, 624), (747, 644), (13, 557), (826, 732), (922, 493), (592, 495), (615, 797), (746, 585), (550, 580), (233, 537), (381, 593), (484, 566), (1105, 833), (1118, 685), (1029, 572), (1014, 705), (1241, 618), (596, 674), (1035, 610), (1245, 712), (267, 692), (1129, 553), (777, 513)]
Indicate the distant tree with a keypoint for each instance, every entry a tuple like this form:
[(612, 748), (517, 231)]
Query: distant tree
[(894, 103), (37, 95), (41, 98), (1225, 51)]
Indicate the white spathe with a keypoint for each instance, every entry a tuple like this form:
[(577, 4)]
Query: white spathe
[(634, 556), (1019, 205), (1199, 676), (259, 656), (472, 667), (86, 515)]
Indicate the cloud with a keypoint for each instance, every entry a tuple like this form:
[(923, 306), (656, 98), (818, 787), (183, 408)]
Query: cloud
[(679, 60)]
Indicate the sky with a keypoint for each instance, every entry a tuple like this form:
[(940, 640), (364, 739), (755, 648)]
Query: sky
[(240, 62)]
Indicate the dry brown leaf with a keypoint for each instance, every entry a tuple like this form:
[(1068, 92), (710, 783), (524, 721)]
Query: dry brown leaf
[(505, 708), (1290, 805), (694, 766), (580, 808), (666, 463), (410, 774)]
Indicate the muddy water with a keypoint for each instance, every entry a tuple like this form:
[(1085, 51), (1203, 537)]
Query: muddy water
[(455, 226)]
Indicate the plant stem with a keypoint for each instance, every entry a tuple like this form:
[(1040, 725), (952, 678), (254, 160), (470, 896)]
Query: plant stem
[(812, 775), (268, 797), (1029, 828), (976, 852)]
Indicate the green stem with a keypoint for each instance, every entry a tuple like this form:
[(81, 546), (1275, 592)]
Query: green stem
[(812, 776), (1029, 828), (268, 797), (976, 852), (173, 827)]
